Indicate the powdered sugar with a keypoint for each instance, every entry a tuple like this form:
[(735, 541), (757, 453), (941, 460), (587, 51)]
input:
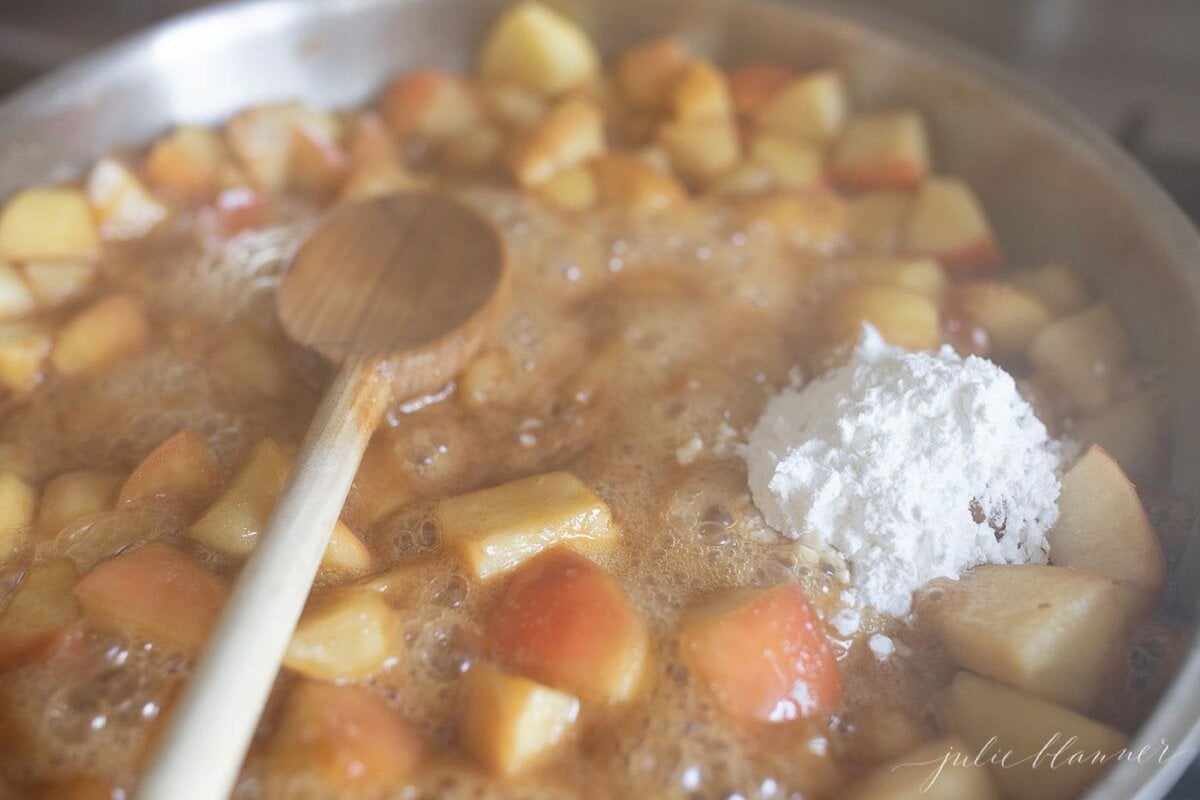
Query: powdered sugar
[(912, 465)]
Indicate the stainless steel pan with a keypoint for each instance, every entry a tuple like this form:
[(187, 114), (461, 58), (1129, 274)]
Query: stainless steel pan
[(1056, 187)]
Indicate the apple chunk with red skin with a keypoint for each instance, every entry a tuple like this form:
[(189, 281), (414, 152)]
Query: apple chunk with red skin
[(565, 622), (344, 737), (887, 150), (156, 592), (41, 609), (948, 223), (761, 654), (183, 469)]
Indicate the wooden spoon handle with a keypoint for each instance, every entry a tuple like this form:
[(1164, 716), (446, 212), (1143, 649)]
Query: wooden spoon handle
[(202, 747)]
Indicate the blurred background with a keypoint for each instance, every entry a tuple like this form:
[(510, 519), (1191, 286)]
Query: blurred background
[(1133, 66)]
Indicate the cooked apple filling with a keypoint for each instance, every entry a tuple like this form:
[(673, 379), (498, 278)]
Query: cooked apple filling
[(549, 579)]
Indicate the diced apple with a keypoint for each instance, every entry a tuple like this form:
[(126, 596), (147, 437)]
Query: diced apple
[(1058, 288), (570, 190), (42, 607), (948, 223), (647, 72), (939, 770), (752, 86), (55, 283), (263, 137), (72, 495), (922, 275), (701, 150), (345, 738), (1132, 432), (123, 207), (904, 318), (16, 296), (105, 331), (182, 469), (1102, 526), (876, 219), (495, 530), (1086, 354), (318, 165), (511, 722), (699, 93), (886, 150), (375, 165), (18, 501), (47, 223), (379, 487), (1052, 631), (762, 656), (791, 164), (569, 135), (565, 622), (431, 103), (233, 522), (187, 162), (811, 221), (810, 107), (1011, 318), (538, 48), (344, 637), (993, 717), (155, 592), (629, 183), (24, 348), (252, 360)]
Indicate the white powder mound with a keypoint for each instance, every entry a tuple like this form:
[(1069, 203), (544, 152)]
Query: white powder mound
[(912, 465)]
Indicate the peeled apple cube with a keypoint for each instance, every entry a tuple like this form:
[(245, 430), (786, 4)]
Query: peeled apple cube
[(565, 622), (187, 162), (434, 104), (1052, 631), (183, 469), (943, 769), (18, 501), (124, 208), (344, 637), (41, 608), (24, 349), (1086, 354), (903, 317), (56, 283), (156, 592), (1011, 317), (1102, 526), (104, 332), (511, 722), (761, 655), (72, 495), (345, 738), (701, 150), (495, 530), (570, 134), (984, 713), (700, 92), (948, 222), (791, 164), (233, 522), (810, 108), (46, 224), (886, 150), (263, 139), (540, 49), (16, 296)]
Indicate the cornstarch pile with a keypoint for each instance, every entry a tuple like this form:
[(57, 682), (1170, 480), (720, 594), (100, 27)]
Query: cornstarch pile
[(912, 465)]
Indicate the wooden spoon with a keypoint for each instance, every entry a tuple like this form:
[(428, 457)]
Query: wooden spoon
[(401, 290)]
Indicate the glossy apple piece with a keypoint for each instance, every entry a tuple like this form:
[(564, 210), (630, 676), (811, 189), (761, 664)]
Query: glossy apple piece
[(762, 655), (811, 108), (431, 103), (538, 48), (903, 317), (791, 164), (569, 135), (187, 162), (512, 722), (1087, 355), (345, 738), (156, 592), (16, 295), (124, 208), (47, 223), (1012, 318), (318, 163), (41, 609), (565, 622), (494, 530), (882, 150), (948, 222), (24, 351), (183, 469), (375, 164), (252, 360), (56, 283), (700, 92), (18, 502), (344, 637), (72, 495), (262, 138), (701, 150), (104, 332)]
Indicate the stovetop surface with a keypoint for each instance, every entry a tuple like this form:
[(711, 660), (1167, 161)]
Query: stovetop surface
[(1133, 67)]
